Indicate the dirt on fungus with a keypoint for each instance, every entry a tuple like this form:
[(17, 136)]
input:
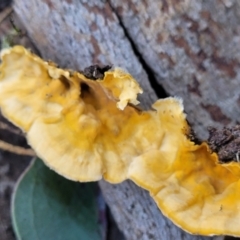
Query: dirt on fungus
[(191, 135), (95, 72), (225, 142)]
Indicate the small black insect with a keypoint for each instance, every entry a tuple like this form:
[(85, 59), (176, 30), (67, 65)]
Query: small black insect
[(95, 72)]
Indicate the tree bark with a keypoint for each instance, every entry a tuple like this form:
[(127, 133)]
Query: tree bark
[(189, 47), (193, 49)]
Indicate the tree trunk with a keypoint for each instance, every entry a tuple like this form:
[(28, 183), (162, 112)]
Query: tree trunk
[(191, 48)]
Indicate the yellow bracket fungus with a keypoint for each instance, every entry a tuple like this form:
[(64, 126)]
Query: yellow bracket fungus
[(86, 130)]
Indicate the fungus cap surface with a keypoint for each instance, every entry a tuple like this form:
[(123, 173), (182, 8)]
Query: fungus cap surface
[(86, 130), (82, 129)]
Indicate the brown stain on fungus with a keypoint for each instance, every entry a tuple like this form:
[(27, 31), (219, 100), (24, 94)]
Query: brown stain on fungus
[(65, 81)]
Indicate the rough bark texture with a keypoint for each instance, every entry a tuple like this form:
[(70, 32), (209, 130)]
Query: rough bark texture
[(190, 47), (225, 142), (193, 49)]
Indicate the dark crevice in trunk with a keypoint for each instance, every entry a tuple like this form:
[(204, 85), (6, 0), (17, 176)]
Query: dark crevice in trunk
[(159, 90), (113, 232), (4, 4)]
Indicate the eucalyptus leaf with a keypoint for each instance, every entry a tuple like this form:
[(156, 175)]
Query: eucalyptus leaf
[(50, 207)]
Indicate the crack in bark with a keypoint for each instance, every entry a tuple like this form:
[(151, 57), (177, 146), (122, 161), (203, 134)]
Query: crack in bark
[(158, 89)]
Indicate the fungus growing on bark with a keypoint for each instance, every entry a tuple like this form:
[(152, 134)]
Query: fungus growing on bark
[(86, 129)]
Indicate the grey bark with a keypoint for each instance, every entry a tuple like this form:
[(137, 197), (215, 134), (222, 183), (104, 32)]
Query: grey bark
[(193, 49), (190, 47)]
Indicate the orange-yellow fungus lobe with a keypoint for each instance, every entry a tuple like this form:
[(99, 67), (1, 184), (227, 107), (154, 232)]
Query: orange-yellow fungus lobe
[(86, 130)]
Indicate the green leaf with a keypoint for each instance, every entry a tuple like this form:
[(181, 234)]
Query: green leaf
[(48, 206)]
